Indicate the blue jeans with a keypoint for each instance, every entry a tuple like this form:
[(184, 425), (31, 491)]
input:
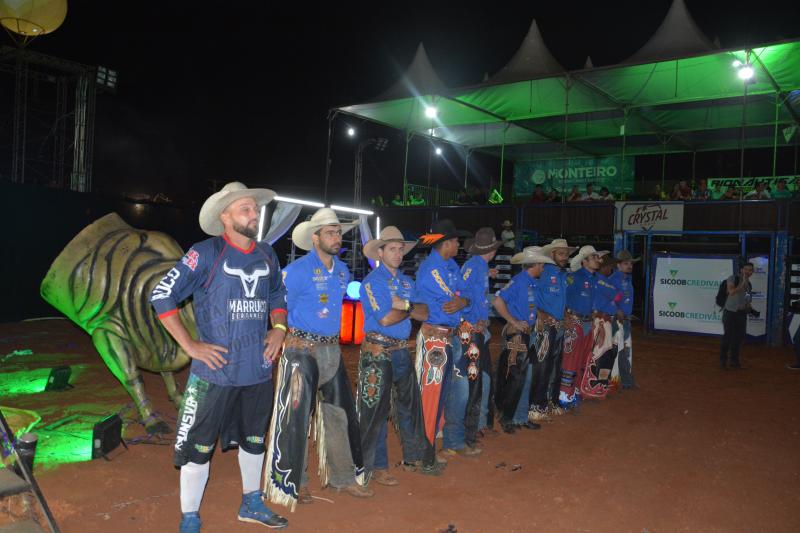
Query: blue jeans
[(521, 414), (455, 406), (381, 461), (486, 386)]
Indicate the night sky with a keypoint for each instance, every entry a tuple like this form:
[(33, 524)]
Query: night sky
[(241, 89)]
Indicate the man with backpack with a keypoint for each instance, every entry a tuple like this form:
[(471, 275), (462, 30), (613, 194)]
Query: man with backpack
[(734, 315)]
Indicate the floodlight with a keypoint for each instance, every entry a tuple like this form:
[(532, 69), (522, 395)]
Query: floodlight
[(737, 63), (438, 151), (59, 379), (297, 201), (746, 72), (431, 112), (351, 132), (351, 210), (107, 436)]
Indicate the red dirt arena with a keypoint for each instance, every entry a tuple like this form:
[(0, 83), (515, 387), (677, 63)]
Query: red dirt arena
[(695, 449)]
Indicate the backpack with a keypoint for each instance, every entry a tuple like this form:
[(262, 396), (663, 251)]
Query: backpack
[(722, 292)]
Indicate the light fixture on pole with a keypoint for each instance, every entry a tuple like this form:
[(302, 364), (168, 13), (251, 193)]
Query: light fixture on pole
[(431, 112), (351, 132), (352, 210), (297, 201), (438, 151)]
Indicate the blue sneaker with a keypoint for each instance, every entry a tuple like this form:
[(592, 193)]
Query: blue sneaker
[(190, 523), (253, 510)]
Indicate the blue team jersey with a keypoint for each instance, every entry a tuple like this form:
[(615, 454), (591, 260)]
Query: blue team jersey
[(376, 292), (580, 291), (314, 295), (606, 295), (438, 282), (475, 273), (519, 296), (624, 284), (551, 291), (233, 291)]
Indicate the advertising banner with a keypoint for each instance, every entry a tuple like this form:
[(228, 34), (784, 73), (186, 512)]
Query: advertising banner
[(757, 327), (748, 184), (684, 291), (650, 216), (563, 174)]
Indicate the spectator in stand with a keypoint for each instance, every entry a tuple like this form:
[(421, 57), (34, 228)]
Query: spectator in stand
[(702, 193), (658, 194), (759, 193), (553, 197), (377, 201), (730, 194), (398, 200), (781, 193), (538, 196), (415, 200), (716, 193), (681, 192), (590, 195), (477, 197), (605, 195), (462, 198), (574, 196)]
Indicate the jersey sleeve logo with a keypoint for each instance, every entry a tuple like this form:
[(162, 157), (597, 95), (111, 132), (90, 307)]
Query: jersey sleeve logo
[(441, 283), (190, 259), (372, 302)]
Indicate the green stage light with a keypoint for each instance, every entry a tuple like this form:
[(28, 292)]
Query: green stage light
[(59, 378)]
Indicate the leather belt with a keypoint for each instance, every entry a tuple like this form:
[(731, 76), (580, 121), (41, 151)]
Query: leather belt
[(311, 338), (383, 340), (578, 316)]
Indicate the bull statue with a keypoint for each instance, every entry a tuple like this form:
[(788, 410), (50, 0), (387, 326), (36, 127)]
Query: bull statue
[(102, 281)]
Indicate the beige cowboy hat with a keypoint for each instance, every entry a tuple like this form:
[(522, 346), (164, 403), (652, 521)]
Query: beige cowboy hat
[(325, 216), (583, 253), (217, 202), (389, 234), (625, 255), (556, 244), (530, 256), (484, 242)]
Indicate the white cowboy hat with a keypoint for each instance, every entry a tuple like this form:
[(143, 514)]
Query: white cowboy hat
[(583, 253), (325, 216), (556, 244), (389, 234), (530, 256), (217, 202)]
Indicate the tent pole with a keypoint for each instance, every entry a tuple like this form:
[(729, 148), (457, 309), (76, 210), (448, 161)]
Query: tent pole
[(331, 115), (405, 170), (621, 192), (503, 158), (663, 165), (466, 167), (775, 135), (744, 125)]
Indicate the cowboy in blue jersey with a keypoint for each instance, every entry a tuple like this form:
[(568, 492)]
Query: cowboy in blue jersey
[(235, 285), (315, 287), (621, 279), (389, 302), (604, 329), (440, 366), (550, 295), (474, 330), (578, 322), (516, 304)]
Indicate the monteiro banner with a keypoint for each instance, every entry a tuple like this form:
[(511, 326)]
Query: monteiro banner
[(563, 174), (684, 289)]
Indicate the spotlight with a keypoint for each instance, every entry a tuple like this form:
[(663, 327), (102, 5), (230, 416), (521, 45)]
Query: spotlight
[(351, 132), (107, 436), (380, 144), (59, 378), (438, 151), (352, 210), (746, 72), (431, 112), (737, 63)]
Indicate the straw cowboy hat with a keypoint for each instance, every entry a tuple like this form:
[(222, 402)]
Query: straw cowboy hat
[(556, 244), (442, 230), (583, 253), (530, 256), (217, 202), (389, 234), (484, 242), (625, 255), (325, 216)]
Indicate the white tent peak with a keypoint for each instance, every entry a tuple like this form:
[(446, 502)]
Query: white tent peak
[(419, 79), (588, 64), (532, 60), (678, 36)]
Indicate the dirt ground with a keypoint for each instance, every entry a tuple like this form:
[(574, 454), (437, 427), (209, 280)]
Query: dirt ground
[(695, 449)]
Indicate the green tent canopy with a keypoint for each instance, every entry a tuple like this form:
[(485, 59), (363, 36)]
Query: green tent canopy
[(679, 93)]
